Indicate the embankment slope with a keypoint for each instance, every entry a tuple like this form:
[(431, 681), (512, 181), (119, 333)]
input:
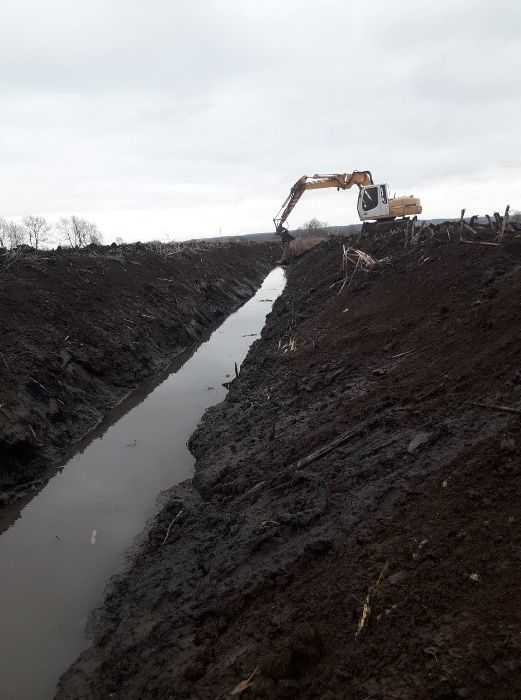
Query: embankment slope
[(387, 567), (81, 329)]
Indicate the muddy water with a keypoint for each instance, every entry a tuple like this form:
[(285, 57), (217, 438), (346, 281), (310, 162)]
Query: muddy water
[(58, 551)]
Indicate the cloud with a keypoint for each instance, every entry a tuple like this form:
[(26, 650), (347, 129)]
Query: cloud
[(193, 116)]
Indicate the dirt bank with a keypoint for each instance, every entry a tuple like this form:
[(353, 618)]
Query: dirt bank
[(408, 530), (81, 329)]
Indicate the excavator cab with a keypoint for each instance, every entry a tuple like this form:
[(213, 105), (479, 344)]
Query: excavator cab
[(373, 202)]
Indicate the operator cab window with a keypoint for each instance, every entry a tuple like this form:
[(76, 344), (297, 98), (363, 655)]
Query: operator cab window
[(370, 198), (383, 194)]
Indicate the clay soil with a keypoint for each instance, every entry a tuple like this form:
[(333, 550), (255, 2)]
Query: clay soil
[(389, 567), (80, 329)]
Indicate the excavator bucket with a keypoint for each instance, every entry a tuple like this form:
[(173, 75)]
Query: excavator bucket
[(285, 235)]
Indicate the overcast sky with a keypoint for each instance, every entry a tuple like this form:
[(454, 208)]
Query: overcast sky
[(162, 117)]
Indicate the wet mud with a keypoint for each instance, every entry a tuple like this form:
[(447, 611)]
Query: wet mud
[(81, 329), (352, 529), (59, 550)]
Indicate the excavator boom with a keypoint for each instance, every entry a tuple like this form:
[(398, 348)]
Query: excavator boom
[(342, 181)]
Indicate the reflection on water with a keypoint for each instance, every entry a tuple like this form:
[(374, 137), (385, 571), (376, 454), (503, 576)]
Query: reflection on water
[(51, 575)]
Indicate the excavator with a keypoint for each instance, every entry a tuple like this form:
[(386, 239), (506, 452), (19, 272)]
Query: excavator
[(374, 203)]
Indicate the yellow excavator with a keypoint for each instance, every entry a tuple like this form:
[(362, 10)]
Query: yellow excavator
[(374, 203)]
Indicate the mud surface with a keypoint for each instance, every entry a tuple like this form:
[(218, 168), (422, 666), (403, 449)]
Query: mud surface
[(81, 329), (59, 551), (260, 569)]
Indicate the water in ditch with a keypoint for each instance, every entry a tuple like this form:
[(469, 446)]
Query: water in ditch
[(58, 551)]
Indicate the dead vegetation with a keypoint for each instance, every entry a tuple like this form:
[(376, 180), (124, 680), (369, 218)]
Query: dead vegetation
[(299, 246), (491, 233)]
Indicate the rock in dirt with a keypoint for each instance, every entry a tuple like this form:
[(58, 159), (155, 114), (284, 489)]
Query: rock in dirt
[(507, 445), (417, 441), (397, 578)]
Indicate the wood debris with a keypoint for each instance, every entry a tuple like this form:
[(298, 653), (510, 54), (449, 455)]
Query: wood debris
[(366, 611), (246, 683), (494, 407), (359, 259), (170, 527), (321, 451), (267, 523)]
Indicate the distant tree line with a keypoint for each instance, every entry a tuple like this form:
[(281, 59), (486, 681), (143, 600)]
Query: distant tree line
[(37, 232), (312, 228)]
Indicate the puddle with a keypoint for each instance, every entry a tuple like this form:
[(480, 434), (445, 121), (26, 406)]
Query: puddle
[(58, 551)]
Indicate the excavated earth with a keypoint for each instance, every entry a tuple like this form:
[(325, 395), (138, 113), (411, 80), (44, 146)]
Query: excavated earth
[(386, 567), (81, 329)]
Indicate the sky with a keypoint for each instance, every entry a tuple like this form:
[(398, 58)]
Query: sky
[(170, 120)]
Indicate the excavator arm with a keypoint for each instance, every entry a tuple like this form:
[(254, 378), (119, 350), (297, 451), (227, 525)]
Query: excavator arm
[(342, 181)]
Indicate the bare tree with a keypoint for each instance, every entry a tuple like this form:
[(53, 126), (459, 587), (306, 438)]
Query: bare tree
[(3, 236), (94, 235), (38, 230), (78, 232), (13, 234), (312, 227)]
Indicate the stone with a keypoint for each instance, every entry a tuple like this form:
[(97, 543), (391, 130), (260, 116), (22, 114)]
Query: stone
[(508, 445), (418, 440), (397, 578)]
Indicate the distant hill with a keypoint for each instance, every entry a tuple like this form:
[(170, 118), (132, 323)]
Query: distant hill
[(328, 230), (265, 236), (258, 237)]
